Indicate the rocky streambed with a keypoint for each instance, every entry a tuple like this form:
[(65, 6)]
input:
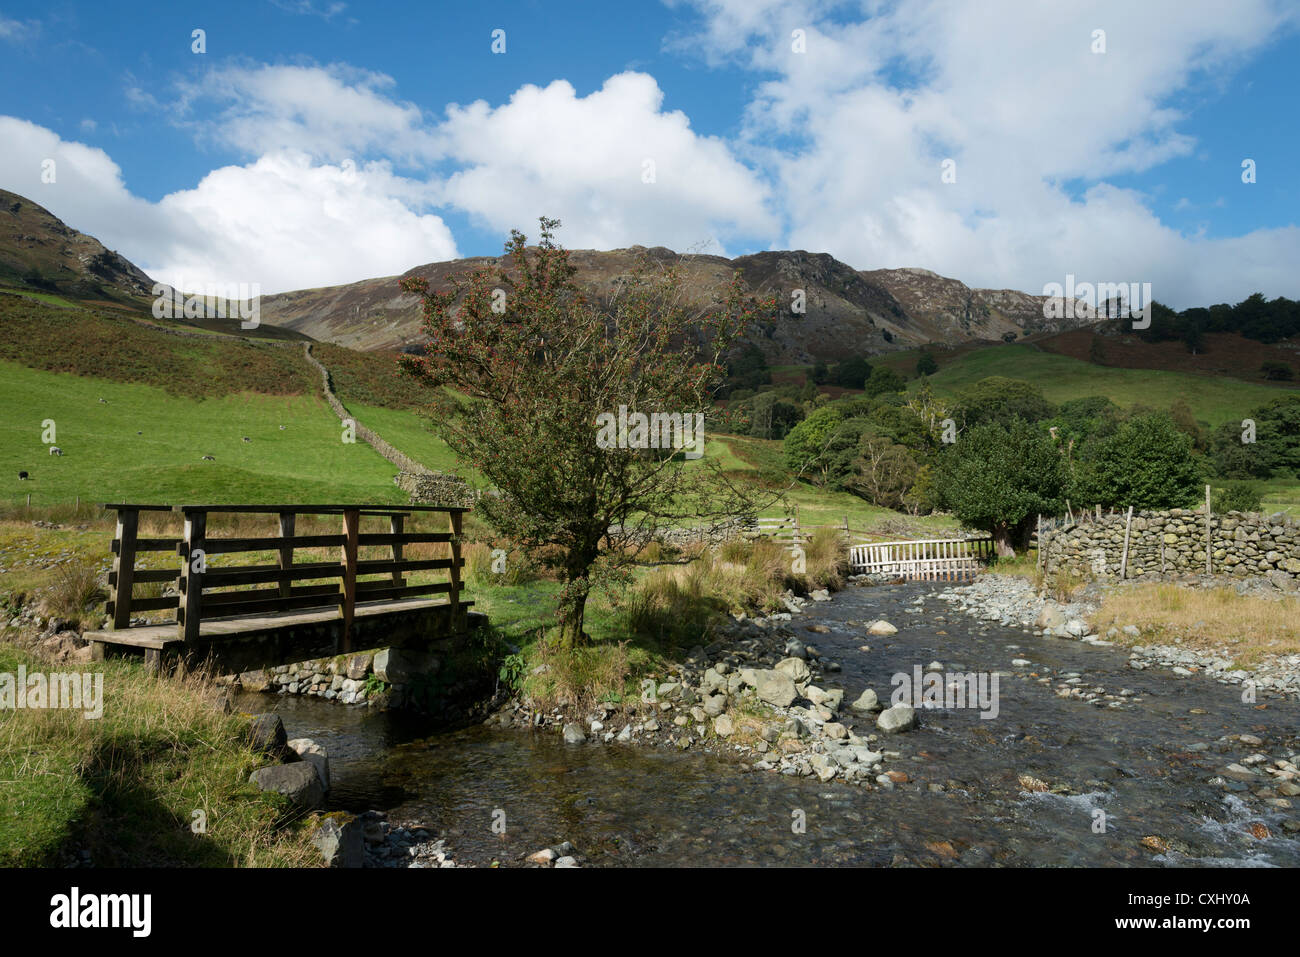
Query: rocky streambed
[(1066, 754), (1014, 603)]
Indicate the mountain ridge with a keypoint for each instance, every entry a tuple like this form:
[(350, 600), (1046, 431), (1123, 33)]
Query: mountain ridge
[(848, 311)]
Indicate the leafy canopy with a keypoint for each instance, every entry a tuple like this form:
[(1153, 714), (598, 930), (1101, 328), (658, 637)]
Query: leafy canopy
[(526, 362)]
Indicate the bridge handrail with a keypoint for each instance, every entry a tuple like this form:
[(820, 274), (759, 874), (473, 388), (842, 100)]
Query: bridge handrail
[(193, 577)]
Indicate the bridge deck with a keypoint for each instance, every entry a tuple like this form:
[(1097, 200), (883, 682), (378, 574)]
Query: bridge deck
[(160, 636), (255, 641)]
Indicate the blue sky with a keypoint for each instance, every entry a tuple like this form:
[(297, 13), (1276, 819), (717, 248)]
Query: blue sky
[(320, 142)]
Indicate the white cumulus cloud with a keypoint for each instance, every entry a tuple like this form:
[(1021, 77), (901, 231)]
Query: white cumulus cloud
[(613, 166), (284, 221)]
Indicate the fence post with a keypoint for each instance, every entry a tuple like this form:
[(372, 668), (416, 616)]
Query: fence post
[(1209, 569), (1123, 562), (1038, 559), (128, 523), (196, 525)]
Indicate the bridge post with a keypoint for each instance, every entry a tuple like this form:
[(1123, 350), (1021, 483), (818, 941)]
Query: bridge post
[(288, 521), (190, 613), (351, 531), (456, 521), (128, 523), (395, 525)]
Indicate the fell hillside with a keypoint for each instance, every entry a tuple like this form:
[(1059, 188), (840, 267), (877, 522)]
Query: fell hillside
[(109, 344), (848, 311), (40, 251), (952, 312)]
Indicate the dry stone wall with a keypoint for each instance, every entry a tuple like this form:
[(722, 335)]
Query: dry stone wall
[(424, 487), (435, 488), (1172, 542)]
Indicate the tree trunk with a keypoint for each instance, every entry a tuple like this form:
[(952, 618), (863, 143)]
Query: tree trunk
[(1002, 543), (572, 617), (572, 604)]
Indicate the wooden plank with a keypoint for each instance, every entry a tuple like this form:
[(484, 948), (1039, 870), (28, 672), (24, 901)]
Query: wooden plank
[(148, 604), (154, 636), (149, 545), (190, 612), (407, 538), (235, 608), (262, 574), (351, 529), (148, 575), (315, 509), (213, 599), (384, 566), (225, 546), (388, 594), (128, 521)]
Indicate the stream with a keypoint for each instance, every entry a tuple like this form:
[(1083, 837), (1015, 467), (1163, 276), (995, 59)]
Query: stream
[(964, 804)]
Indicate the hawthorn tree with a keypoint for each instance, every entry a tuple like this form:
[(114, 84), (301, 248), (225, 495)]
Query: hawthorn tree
[(525, 364), (998, 478)]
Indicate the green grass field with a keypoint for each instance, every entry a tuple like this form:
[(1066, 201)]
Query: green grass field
[(105, 460), (1212, 400), (411, 433)]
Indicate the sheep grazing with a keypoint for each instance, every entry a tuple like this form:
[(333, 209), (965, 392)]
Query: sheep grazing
[(209, 458), (139, 433), (282, 428), (55, 450), (22, 476), (247, 439), (103, 402)]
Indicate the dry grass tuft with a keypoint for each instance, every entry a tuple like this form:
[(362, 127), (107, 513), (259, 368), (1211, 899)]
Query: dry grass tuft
[(1219, 620), (74, 589), (581, 678)]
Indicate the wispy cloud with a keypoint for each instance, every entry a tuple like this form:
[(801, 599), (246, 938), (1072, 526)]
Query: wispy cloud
[(326, 11), (18, 31)]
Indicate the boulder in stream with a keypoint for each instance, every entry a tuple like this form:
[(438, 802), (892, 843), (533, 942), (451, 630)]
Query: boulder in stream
[(900, 717)]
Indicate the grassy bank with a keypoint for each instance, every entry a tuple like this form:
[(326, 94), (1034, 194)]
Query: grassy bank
[(125, 786), (1218, 620), (639, 631)]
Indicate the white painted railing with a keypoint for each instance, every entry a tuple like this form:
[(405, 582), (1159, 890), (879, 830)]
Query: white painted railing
[(936, 559)]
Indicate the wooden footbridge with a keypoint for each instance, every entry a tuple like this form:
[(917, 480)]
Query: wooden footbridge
[(223, 614), (936, 559)]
